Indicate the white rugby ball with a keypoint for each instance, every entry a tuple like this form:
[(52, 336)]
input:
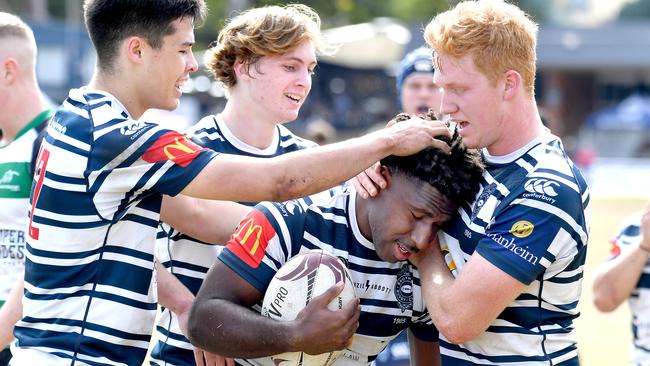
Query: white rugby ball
[(302, 278)]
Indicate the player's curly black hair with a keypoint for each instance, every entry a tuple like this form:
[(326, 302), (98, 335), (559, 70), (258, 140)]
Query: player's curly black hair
[(456, 174)]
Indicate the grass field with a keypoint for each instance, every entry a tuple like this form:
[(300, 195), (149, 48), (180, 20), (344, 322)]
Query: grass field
[(604, 338)]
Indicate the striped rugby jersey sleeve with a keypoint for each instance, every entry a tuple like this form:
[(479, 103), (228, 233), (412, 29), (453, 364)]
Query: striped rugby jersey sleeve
[(264, 240), (166, 160), (528, 235)]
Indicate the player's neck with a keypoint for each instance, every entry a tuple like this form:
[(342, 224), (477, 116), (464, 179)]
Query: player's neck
[(361, 212), (526, 121), (15, 119), (248, 126), (121, 88)]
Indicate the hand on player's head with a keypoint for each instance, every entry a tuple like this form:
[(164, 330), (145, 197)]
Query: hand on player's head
[(371, 181), (416, 134)]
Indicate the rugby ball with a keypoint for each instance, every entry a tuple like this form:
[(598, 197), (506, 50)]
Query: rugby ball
[(299, 280)]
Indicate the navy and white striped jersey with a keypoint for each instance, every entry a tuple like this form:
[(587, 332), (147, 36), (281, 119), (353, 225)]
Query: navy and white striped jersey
[(284, 230), (639, 301), (89, 281), (188, 259), (530, 221)]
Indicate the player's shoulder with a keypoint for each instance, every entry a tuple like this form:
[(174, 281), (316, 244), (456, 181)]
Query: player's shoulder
[(553, 172), (296, 210), (290, 139), (204, 125)]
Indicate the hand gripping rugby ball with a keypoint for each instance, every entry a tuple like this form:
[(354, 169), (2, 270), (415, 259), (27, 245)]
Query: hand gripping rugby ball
[(302, 278)]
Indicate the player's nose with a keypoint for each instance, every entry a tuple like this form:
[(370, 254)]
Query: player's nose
[(421, 234)]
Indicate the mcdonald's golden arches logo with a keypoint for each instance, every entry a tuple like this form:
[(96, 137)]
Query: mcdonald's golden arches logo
[(251, 238), (173, 146)]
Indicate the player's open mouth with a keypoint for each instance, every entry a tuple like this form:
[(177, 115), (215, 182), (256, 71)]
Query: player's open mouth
[(402, 252), (403, 248), (179, 85), (295, 97), (461, 124)]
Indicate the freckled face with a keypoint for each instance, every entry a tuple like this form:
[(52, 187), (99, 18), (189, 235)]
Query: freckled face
[(281, 83)]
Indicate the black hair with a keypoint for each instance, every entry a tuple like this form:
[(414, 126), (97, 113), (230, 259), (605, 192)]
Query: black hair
[(457, 174), (111, 21)]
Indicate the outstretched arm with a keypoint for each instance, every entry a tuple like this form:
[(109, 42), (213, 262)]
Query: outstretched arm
[(221, 321), (206, 220), (309, 171), (616, 279)]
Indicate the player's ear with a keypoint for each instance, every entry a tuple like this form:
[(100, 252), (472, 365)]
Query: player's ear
[(511, 84), (9, 71), (134, 49), (242, 69)]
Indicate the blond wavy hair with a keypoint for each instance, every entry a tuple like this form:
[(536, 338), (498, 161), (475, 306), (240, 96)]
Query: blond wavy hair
[(259, 32), (498, 35)]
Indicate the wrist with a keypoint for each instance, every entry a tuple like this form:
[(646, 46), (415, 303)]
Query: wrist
[(181, 305), (292, 336), (387, 142)]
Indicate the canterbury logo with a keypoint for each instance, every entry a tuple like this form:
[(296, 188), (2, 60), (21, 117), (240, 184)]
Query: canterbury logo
[(542, 186), (310, 263), (131, 129), (246, 231)]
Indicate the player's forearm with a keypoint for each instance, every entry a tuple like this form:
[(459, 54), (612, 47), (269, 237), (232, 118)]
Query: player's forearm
[(237, 332), (615, 280), (172, 294), (206, 220), (332, 165), (305, 172), (10, 313), (436, 282)]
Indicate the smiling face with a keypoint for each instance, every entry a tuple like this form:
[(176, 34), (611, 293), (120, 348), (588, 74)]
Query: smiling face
[(278, 85), (404, 218), (472, 101), (168, 67)]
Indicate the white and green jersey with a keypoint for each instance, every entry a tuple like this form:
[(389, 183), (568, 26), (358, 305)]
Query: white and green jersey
[(15, 185)]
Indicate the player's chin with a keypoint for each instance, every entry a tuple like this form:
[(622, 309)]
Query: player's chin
[(289, 116), (169, 104), (389, 254)]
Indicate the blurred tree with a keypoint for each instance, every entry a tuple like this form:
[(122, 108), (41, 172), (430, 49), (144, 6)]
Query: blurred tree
[(341, 12), (332, 13), (539, 10), (636, 10)]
